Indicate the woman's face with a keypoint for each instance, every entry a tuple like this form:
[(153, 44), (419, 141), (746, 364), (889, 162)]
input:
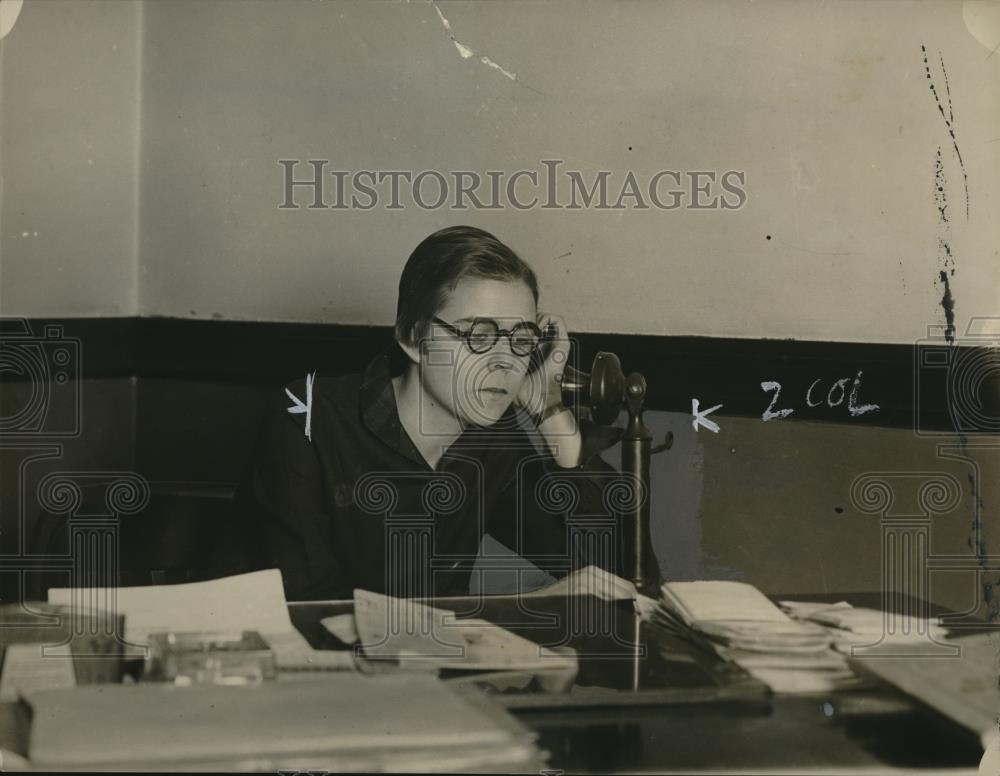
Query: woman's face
[(477, 388)]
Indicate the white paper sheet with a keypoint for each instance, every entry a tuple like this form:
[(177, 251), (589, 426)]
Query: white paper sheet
[(254, 601), (416, 634), (720, 601)]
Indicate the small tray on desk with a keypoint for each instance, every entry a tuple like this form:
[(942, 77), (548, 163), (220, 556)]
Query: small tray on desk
[(209, 656)]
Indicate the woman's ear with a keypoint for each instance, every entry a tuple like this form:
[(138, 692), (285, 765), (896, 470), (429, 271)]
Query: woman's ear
[(412, 351)]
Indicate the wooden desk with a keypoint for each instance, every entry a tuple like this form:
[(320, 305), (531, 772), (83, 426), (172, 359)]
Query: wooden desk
[(667, 707), (673, 708)]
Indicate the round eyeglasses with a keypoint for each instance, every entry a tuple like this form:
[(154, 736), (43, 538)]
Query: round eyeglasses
[(483, 334)]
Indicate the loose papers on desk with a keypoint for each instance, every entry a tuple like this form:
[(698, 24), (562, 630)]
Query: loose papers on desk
[(851, 627), (740, 624), (419, 636), (962, 686), (595, 581), (254, 601), (338, 722)]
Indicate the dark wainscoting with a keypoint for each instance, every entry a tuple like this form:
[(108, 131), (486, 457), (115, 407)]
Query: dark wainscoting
[(714, 370), (194, 389), (729, 371)]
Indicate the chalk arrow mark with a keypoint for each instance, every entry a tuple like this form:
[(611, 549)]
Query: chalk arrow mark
[(299, 407), (701, 419)]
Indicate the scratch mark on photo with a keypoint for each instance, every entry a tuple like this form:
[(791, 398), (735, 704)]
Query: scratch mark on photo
[(949, 119)]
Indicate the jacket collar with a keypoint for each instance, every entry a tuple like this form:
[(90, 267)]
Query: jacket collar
[(379, 412)]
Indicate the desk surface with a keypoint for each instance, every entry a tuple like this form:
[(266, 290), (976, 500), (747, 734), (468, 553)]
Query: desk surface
[(668, 706), (643, 701)]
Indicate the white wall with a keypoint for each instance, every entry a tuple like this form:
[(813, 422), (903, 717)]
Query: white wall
[(826, 106), (69, 132)]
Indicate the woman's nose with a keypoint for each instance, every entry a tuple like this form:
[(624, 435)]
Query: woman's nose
[(500, 363), (502, 349)]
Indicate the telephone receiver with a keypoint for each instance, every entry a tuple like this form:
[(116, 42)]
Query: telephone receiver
[(602, 390)]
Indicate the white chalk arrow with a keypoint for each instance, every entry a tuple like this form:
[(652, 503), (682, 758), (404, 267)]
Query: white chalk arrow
[(298, 408), (701, 419)]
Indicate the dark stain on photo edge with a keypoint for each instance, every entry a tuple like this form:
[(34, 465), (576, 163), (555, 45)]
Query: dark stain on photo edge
[(947, 268), (948, 303), (945, 258)]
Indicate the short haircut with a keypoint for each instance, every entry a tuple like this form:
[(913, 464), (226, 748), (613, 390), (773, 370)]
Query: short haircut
[(437, 265)]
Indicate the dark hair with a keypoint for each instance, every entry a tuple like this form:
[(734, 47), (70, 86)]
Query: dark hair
[(437, 265)]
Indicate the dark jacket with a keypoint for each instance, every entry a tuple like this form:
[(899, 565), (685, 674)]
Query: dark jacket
[(355, 505)]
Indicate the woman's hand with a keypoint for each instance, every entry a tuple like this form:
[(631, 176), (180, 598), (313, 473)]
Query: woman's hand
[(541, 391), (541, 394)]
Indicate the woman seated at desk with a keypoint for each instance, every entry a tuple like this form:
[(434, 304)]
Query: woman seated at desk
[(387, 480)]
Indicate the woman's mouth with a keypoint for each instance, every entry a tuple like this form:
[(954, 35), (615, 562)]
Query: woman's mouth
[(493, 394)]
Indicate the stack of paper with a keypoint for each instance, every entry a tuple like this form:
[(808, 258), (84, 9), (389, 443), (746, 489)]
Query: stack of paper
[(740, 624), (850, 627), (254, 601), (341, 722)]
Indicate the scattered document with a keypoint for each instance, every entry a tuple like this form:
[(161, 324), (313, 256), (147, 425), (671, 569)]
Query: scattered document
[(254, 601), (963, 687), (850, 626), (741, 625), (413, 634), (404, 629), (343, 627)]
